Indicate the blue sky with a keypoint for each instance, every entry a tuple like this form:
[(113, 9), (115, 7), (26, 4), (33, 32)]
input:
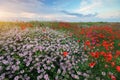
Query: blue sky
[(60, 10)]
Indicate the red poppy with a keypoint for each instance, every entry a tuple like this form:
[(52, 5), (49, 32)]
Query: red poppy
[(117, 53), (65, 54), (108, 57), (23, 27), (95, 54), (78, 41), (92, 64), (112, 64), (82, 31), (105, 44), (118, 44), (103, 53), (87, 43), (112, 77), (118, 68), (101, 35)]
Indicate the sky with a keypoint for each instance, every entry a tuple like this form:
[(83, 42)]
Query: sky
[(60, 10)]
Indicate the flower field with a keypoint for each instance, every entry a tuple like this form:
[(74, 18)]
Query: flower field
[(59, 51)]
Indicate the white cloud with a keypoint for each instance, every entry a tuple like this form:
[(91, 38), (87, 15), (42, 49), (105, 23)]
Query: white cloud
[(109, 14), (104, 8), (21, 5), (37, 10), (11, 16), (27, 15), (6, 14), (87, 6)]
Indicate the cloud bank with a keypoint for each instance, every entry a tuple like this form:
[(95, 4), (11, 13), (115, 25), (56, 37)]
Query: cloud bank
[(60, 10)]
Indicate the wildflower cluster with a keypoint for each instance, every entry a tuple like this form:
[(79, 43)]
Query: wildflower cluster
[(39, 53)]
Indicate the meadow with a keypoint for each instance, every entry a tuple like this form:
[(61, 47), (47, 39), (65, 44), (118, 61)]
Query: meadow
[(59, 51)]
